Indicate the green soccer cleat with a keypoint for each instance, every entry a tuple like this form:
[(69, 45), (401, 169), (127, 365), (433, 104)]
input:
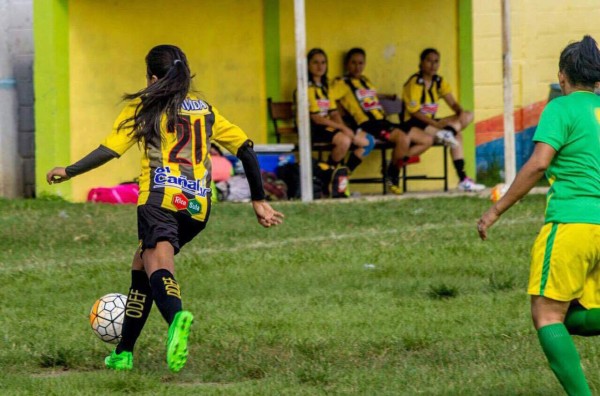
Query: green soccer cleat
[(179, 332), (120, 362)]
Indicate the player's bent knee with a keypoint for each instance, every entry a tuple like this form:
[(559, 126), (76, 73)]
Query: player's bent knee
[(423, 138), (546, 311), (342, 141), (466, 118)]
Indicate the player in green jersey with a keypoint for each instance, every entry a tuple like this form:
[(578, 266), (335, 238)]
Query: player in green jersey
[(565, 260)]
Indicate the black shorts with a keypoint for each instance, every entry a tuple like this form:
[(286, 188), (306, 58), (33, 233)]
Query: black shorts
[(381, 129), (321, 133), (416, 123), (157, 224)]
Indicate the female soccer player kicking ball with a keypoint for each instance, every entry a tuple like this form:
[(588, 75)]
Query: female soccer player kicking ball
[(175, 128), (565, 264)]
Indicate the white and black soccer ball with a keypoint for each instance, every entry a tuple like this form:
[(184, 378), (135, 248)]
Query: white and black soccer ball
[(106, 317)]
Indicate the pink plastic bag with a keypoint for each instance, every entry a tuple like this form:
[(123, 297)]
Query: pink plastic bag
[(121, 194), (221, 168)]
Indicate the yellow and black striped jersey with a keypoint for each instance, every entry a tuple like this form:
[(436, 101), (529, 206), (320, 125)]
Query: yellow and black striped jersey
[(318, 100), (176, 175), (417, 97), (359, 98)]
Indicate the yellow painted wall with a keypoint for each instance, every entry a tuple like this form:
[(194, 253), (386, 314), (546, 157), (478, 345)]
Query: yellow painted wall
[(540, 30), (393, 33), (108, 42)]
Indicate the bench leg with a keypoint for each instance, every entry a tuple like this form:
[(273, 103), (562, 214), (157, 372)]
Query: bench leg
[(446, 168), (383, 170)]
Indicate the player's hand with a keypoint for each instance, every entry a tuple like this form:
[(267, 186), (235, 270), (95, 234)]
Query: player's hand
[(486, 221), (57, 175), (266, 215)]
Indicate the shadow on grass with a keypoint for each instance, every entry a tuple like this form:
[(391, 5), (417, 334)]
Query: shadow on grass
[(442, 292)]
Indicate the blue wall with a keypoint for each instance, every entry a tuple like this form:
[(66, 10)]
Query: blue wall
[(490, 156)]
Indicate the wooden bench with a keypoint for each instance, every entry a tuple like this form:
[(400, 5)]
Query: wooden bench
[(284, 122), (283, 116), (393, 107)]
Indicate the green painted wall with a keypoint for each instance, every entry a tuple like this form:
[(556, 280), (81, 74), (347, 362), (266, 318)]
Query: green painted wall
[(51, 87), (466, 81)]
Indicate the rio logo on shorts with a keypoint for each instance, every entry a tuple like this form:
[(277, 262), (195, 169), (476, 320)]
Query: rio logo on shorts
[(164, 178)]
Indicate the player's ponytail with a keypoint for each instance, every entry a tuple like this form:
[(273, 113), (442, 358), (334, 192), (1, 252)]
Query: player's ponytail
[(580, 61), (165, 96)]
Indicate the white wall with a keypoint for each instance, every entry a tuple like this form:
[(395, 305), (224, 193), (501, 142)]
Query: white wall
[(16, 99)]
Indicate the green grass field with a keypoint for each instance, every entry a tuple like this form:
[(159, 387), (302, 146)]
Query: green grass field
[(395, 297)]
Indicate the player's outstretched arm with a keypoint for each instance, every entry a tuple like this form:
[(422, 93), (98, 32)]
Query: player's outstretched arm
[(266, 215), (98, 157), (530, 173)]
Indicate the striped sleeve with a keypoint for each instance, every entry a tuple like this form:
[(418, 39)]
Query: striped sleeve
[(120, 141), (227, 134)]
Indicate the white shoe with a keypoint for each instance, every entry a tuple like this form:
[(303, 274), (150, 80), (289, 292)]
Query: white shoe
[(446, 137), (468, 185)]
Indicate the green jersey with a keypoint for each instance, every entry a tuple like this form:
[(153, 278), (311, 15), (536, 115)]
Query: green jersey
[(571, 125)]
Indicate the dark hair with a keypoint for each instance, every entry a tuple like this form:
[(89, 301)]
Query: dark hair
[(353, 51), (169, 64), (580, 61), (311, 54), (428, 51)]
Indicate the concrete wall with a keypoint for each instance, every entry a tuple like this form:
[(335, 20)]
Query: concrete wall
[(393, 33), (232, 44), (106, 46), (16, 99), (102, 55), (540, 29), (107, 59)]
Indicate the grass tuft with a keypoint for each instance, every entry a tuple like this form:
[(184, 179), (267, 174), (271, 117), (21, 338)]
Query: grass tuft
[(499, 283), (442, 292), (60, 358)]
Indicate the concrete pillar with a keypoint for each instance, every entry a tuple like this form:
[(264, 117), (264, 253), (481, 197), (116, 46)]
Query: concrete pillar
[(10, 166)]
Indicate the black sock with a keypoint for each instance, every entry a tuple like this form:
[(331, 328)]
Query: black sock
[(167, 295), (393, 173), (459, 165), (331, 162), (353, 162), (137, 310)]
